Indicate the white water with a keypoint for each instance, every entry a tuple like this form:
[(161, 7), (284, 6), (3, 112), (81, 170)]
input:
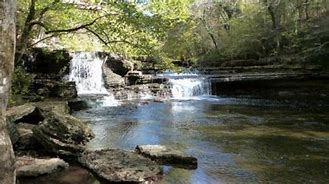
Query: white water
[(187, 85), (190, 87), (86, 72)]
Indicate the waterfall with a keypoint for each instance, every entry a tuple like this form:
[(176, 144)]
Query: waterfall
[(86, 72), (187, 85)]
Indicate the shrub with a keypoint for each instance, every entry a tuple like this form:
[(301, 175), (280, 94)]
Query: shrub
[(21, 82)]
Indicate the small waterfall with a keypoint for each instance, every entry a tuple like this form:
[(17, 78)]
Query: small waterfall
[(187, 85), (190, 87), (86, 72)]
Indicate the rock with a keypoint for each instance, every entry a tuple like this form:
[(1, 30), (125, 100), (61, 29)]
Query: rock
[(12, 131), (33, 113), (53, 128), (133, 77), (26, 140), (66, 90), (54, 88), (71, 175), (20, 113), (32, 167), (77, 105), (62, 134), (58, 106), (121, 166), (111, 79), (164, 155), (118, 65), (45, 61)]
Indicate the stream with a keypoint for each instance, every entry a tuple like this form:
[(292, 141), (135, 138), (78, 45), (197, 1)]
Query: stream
[(235, 139)]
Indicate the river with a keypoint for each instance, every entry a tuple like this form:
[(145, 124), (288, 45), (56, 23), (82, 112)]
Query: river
[(244, 139), (236, 140)]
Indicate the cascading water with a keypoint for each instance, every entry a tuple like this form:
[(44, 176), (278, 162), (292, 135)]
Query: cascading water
[(187, 85), (86, 72)]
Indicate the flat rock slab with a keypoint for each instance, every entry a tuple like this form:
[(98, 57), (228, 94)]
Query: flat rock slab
[(116, 165), (164, 155), (18, 112), (31, 167)]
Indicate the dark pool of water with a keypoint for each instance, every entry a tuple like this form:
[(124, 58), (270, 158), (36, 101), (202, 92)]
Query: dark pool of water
[(235, 140)]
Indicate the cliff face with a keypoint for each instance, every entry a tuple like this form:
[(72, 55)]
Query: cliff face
[(7, 49)]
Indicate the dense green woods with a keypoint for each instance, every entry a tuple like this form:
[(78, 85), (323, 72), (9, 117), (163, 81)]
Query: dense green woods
[(196, 30), (252, 29)]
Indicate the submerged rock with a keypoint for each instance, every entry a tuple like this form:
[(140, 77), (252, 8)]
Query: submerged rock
[(116, 165), (31, 167), (71, 175), (77, 105), (164, 155), (62, 134)]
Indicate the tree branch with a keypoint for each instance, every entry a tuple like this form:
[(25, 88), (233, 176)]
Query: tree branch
[(43, 39), (107, 43), (78, 27)]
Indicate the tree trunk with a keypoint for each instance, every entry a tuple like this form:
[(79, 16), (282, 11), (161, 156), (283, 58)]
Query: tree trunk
[(306, 5), (7, 49), (275, 24), (22, 42)]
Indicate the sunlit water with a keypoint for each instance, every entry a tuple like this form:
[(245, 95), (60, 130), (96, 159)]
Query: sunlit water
[(235, 140)]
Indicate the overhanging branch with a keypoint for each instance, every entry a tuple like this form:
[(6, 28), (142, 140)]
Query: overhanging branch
[(78, 27)]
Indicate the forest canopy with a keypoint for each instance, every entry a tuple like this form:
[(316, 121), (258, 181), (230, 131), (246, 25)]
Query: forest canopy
[(203, 30)]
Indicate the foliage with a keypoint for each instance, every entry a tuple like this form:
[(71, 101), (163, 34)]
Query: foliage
[(215, 30), (125, 27), (21, 82), (222, 30)]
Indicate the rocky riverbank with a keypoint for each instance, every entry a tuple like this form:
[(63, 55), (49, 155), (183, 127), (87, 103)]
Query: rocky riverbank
[(47, 139)]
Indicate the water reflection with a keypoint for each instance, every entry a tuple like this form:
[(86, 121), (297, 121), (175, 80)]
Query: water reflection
[(235, 140)]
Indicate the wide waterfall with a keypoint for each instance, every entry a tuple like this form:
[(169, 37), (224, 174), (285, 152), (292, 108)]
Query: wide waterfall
[(187, 85), (190, 87), (86, 72)]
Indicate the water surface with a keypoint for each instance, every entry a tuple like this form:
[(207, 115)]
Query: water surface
[(236, 140)]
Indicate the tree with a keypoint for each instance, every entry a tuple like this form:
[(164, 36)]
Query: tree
[(119, 26), (7, 48)]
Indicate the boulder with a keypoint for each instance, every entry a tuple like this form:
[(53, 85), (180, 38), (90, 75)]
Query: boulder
[(111, 79), (71, 175), (118, 64), (31, 167), (33, 113), (54, 88), (58, 106), (22, 113), (26, 140), (133, 77), (116, 165), (12, 131), (77, 105), (62, 134), (165, 155), (66, 90)]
